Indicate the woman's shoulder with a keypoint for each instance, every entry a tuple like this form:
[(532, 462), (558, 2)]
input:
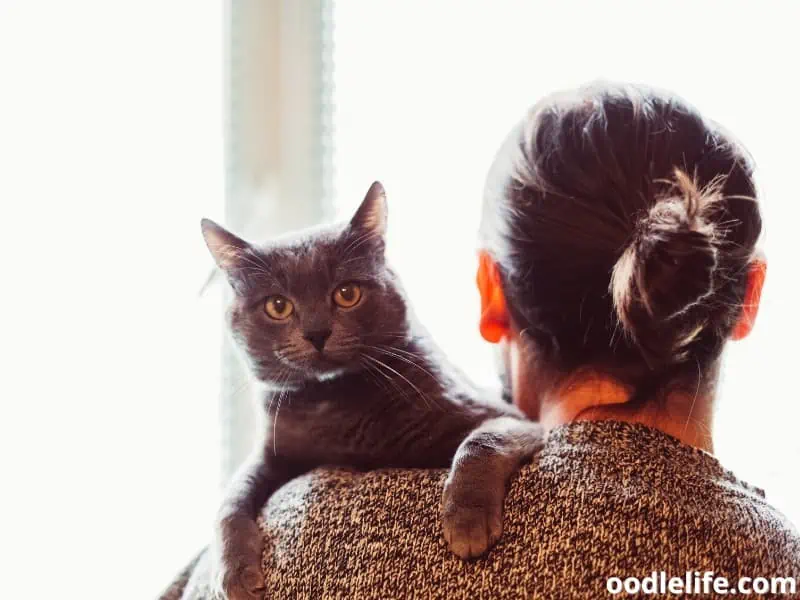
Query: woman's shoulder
[(587, 508)]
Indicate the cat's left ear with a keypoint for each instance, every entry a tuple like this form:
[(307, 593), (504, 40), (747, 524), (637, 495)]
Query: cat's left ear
[(371, 216)]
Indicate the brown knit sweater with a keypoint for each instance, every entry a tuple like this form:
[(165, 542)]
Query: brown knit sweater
[(602, 499)]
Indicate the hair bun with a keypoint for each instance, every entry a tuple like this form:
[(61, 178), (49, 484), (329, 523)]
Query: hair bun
[(668, 268)]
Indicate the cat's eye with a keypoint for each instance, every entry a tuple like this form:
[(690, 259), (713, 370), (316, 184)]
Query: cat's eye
[(347, 295), (278, 307)]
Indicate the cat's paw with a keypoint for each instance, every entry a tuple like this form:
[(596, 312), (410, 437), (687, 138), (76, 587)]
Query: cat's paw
[(245, 583), (237, 572), (472, 520)]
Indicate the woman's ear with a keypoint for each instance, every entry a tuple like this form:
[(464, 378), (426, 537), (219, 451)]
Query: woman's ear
[(494, 323), (752, 299)]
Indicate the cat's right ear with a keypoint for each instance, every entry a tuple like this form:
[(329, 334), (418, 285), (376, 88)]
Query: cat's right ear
[(226, 248)]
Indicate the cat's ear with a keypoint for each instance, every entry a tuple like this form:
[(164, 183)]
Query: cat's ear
[(371, 216), (226, 248)]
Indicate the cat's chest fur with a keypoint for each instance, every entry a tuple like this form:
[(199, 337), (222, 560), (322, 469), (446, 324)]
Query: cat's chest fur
[(366, 422)]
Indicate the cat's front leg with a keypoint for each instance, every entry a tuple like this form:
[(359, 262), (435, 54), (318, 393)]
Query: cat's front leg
[(472, 503), (237, 547), (236, 559)]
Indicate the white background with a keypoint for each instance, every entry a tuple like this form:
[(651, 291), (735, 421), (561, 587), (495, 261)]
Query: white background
[(111, 150), (111, 147)]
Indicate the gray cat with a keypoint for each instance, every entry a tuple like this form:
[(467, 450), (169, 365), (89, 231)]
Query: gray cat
[(350, 378)]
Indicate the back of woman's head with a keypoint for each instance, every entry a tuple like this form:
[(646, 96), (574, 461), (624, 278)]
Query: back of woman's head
[(622, 224)]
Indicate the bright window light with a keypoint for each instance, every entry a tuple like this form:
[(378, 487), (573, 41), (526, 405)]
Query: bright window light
[(110, 153)]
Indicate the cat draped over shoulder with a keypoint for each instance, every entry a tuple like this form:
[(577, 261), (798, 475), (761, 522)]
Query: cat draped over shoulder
[(349, 377)]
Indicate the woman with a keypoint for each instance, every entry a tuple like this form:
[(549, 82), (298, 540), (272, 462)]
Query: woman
[(618, 258)]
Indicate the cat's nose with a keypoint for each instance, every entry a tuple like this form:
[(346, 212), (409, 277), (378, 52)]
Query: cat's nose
[(318, 338)]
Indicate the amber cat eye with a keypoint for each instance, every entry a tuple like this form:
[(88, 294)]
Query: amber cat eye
[(278, 308), (347, 295)]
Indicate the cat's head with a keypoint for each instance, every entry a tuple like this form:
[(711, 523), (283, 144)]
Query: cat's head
[(309, 306)]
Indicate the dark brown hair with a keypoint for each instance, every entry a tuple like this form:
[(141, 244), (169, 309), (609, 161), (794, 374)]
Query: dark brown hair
[(623, 224)]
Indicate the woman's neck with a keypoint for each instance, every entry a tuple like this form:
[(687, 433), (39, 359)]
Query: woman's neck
[(596, 398)]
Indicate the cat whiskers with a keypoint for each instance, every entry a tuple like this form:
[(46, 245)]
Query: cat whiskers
[(281, 396), (381, 364), (374, 370), (278, 387), (403, 355), (289, 356), (369, 371), (388, 335), (406, 356), (277, 398), (393, 353), (242, 387)]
